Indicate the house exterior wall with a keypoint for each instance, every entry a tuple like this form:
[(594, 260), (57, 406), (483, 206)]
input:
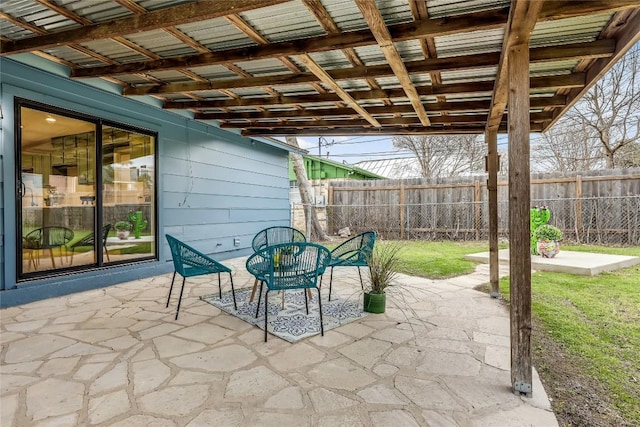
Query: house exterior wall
[(213, 186)]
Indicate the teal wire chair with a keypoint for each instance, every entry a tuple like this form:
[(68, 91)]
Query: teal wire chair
[(274, 236), (354, 252), (297, 265), (189, 262)]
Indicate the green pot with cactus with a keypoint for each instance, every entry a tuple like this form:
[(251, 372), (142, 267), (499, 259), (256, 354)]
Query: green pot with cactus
[(549, 237), (123, 228)]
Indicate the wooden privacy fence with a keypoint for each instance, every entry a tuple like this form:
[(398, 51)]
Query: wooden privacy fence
[(600, 207)]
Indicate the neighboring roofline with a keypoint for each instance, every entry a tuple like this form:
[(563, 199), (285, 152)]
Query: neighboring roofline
[(344, 166), (278, 144)]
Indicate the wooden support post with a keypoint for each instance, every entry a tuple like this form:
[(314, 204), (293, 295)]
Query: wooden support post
[(519, 227), (402, 208), (492, 187)]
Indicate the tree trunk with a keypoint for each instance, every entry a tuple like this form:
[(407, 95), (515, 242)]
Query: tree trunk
[(315, 231)]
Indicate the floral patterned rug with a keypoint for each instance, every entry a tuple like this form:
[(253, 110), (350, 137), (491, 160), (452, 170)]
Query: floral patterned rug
[(290, 323)]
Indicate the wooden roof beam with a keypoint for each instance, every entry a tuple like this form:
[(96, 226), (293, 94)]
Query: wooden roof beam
[(319, 72), (170, 16), (383, 37), (432, 107), (601, 48), (351, 39), (483, 87), (522, 19), (391, 130)]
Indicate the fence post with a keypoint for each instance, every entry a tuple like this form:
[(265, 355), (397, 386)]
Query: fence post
[(402, 213), (578, 208), (476, 205), (330, 210)]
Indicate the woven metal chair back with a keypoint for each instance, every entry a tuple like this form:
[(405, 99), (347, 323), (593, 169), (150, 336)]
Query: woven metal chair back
[(190, 262), (48, 237), (276, 235), (355, 251), (296, 265)]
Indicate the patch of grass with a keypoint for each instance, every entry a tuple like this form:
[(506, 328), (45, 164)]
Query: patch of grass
[(142, 248), (438, 260), (597, 320)]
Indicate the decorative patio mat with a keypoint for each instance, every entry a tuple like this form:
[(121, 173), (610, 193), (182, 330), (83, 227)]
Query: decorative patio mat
[(291, 323)]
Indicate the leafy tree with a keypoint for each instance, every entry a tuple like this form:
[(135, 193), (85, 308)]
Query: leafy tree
[(445, 155)]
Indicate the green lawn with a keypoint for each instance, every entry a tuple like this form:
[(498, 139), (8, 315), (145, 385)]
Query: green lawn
[(594, 319)]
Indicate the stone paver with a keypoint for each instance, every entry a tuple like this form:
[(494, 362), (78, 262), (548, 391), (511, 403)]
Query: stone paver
[(117, 357)]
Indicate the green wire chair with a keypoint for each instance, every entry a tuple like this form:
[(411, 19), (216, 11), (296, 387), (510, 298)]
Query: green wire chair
[(189, 262), (274, 236), (90, 240), (354, 252), (296, 265)]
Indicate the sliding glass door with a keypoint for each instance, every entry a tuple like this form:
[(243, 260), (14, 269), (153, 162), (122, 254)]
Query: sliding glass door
[(79, 180)]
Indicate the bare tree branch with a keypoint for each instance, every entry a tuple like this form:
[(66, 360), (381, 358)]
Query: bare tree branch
[(610, 111), (444, 155)]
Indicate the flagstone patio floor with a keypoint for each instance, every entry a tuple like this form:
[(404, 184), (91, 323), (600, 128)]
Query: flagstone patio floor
[(115, 356)]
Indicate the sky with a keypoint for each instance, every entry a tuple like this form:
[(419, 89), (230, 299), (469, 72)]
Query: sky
[(354, 149)]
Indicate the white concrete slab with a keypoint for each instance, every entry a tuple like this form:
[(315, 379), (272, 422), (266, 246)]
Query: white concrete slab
[(581, 263)]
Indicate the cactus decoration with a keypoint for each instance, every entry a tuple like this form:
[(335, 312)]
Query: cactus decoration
[(537, 217), (139, 223)]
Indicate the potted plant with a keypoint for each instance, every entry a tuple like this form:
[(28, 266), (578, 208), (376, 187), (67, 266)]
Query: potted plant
[(123, 228), (548, 240), (383, 266)]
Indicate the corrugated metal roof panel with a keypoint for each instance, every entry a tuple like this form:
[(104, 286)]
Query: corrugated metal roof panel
[(345, 14), (552, 68), (474, 75), (442, 8), (328, 60), (395, 11), (570, 30), (470, 43), (97, 10), (161, 4), (36, 14), (169, 76), (410, 50), (114, 50), (161, 43), (293, 90), (73, 55), (254, 92), (217, 34), (263, 67), (371, 55), (269, 22), (353, 84), (213, 72)]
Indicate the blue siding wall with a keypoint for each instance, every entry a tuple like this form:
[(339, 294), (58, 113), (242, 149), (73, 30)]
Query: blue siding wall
[(214, 186)]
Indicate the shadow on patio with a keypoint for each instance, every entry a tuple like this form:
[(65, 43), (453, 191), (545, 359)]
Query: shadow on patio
[(115, 356)]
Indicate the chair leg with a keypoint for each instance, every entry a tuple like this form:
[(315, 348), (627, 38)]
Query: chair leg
[(180, 299), (361, 282), (330, 283), (53, 261), (73, 251), (320, 309), (306, 301), (253, 291), (233, 292), (266, 310), (171, 289), (107, 252), (219, 287), (259, 298)]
